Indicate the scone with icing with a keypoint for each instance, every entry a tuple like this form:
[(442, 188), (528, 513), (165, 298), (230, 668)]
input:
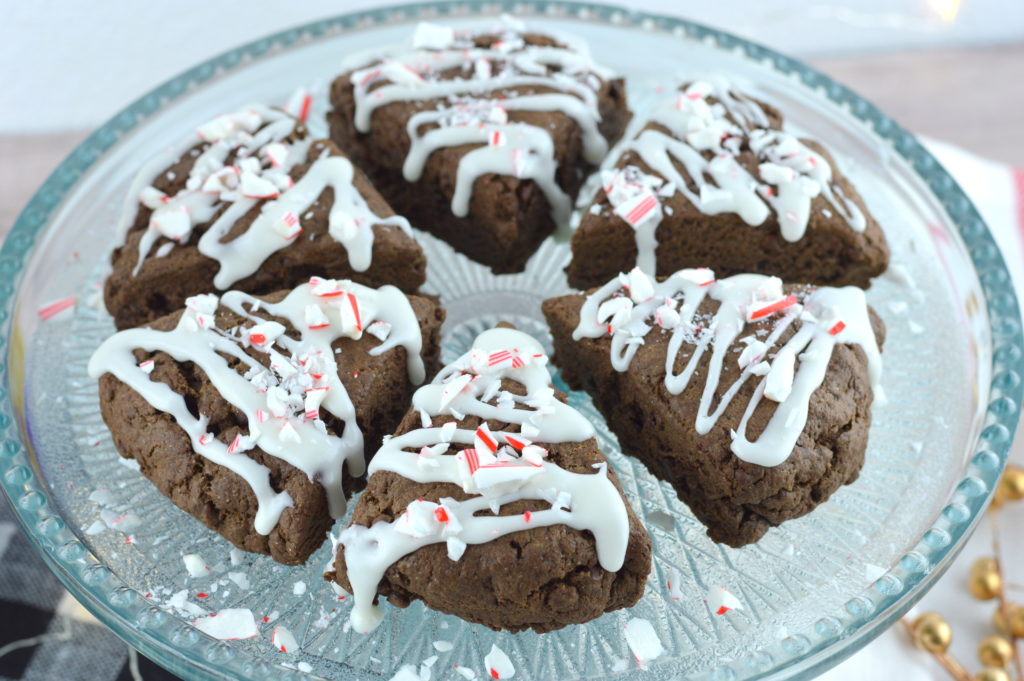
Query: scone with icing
[(250, 202), (253, 413), (753, 399), (714, 180), (492, 502), (480, 138)]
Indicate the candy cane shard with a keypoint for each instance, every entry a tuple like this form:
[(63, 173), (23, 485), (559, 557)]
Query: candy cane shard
[(488, 466), (267, 144), (786, 372), (283, 388)]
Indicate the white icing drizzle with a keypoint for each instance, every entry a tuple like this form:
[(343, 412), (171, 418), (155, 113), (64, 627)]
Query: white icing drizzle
[(706, 139), (478, 102), (263, 158), (281, 394), (511, 468), (631, 306)]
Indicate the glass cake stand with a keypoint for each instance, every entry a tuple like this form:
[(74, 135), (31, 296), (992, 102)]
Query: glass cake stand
[(813, 591)]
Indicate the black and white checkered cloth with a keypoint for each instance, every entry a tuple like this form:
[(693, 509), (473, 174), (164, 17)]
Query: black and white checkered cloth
[(45, 635)]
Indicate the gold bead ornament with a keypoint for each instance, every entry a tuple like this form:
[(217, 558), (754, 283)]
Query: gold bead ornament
[(995, 651), (932, 632), (1016, 621), (992, 674), (984, 582), (1011, 485)]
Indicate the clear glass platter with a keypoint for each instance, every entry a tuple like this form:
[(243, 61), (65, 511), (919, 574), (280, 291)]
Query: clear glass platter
[(813, 591)]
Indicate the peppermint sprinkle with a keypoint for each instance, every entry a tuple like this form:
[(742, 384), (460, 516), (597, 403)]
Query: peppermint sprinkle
[(55, 308), (498, 665)]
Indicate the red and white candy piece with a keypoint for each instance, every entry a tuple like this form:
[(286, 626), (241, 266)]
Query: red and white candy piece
[(675, 591), (484, 440), (380, 330), (701, 276), (316, 318), (837, 328), (721, 601), (289, 434), (643, 641), (284, 640), (640, 208), (276, 153), (147, 366), (231, 624), (498, 665), (452, 389), (172, 222), (497, 139), (50, 311), (299, 104), (255, 187), (447, 431), (779, 381), (224, 179), (195, 565), (217, 128), (351, 317), (324, 288), (152, 198), (264, 333), (762, 310), (641, 289), (753, 353)]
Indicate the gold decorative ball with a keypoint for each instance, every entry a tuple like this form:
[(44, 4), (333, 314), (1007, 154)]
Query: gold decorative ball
[(992, 674), (985, 582), (932, 632), (995, 651), (1016, 620), (984, 565), (1011, 485)]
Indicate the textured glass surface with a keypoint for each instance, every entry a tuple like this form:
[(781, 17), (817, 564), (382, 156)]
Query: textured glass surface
[(813, 590)]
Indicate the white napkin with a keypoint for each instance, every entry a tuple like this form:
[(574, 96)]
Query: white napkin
[(998, 192)]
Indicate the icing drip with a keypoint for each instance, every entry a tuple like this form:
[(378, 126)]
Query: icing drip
[(475, 102), (497, 467), (266, 145), (631, 306), (705, 138), (280, 394)]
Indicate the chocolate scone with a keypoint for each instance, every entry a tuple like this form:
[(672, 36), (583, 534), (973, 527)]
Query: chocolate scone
[(251, 203), (492, 502), (480, 138), (252, 414), (713, 180), (752, 399)]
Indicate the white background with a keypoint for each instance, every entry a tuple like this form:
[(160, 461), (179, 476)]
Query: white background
[(71, 65)]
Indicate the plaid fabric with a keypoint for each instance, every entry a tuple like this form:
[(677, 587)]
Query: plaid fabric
[(45, 635)]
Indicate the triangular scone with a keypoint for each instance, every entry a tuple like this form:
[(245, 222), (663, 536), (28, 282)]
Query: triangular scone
[(712, 180), (250, 202), (767, 408), (252, 414), (491, 436), (480, 138)]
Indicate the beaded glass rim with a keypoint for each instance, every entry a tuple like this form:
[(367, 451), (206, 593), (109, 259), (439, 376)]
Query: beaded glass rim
[(183, 650)]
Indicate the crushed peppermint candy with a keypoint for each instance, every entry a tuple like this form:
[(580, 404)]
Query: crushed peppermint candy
[(720, 601), (643, 641), (195, 565), (284, 640), (231, 624), (498, 665)]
